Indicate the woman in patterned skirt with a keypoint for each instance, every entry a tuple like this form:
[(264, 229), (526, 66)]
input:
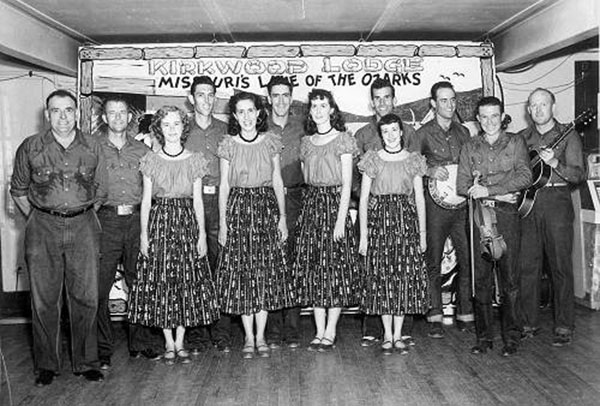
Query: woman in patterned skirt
[(252, 278), (392, 233), (173, 288), (325, 262)]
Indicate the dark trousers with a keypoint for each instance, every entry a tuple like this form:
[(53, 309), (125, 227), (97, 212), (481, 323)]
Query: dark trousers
[(220, 331), (508, 277), (62, 255), (548, 230), (120, 243), (441, 224), (283, 324)]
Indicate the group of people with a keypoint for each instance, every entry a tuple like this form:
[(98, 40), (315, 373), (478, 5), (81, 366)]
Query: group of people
[(251, 218)]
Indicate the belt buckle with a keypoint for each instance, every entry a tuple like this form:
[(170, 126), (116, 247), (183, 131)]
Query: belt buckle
[(209, 190), (124, 209), (489, 203)]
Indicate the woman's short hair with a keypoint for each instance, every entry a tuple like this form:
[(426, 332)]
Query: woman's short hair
[(233, 127), (387, 120), (161, 114), (336, 120)]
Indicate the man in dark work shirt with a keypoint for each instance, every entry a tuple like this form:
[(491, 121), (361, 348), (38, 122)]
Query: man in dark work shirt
[(206, 132), (282, 326), (120, 220), (493, 167), (549, 227), (59, 176)]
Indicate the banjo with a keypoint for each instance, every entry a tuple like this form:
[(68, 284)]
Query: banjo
[(443, 192)]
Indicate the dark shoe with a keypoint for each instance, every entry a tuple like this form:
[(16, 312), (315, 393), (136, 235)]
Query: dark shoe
[(275, 345), (529, 332), (387, 348), (134, 354), (45, 377), (466, 326), (151, 355), (223, 347), (327, 345), (105, 364), (482, 347), (92, 375), (401, 347), (562, 339), (436, 330), (368, 341), (315, 344), (293, 344), (408, 340), (509, 349)]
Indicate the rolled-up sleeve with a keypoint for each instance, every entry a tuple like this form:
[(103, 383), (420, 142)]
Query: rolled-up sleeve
[(21, 176)]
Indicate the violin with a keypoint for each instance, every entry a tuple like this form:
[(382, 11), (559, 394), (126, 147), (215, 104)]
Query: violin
[(491, 242)]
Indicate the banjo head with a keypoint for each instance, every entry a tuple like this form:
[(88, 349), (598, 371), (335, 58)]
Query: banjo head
[(443, 192)]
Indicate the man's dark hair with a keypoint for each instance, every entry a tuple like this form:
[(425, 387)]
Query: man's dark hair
[(440, 85), (279, 80), (380, 83), (115, 98), (489, 101), (60, 93), (202, 80)]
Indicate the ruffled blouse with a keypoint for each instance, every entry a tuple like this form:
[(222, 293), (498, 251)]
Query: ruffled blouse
[(173, 178), (392, 177), (322, 163), (250, 165)]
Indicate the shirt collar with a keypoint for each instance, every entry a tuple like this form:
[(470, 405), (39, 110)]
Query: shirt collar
[(48, 137)]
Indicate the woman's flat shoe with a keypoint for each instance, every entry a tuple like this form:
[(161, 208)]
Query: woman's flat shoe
[(315, 344), (169, 357), (248, 351), (263, 350), (327, 345), (184, 356), (401, 347), (387, 347)]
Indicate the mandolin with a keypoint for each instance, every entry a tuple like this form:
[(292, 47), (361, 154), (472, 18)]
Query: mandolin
[(541, 171)]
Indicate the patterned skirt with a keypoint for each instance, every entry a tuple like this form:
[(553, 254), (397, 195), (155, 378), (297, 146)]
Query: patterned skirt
[(174, 285), (253, 274), (394, 280), (326, 270)]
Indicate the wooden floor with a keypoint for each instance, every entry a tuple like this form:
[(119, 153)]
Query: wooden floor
[(435, 372)]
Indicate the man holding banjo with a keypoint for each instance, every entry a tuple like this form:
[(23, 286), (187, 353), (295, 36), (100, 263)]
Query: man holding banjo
[(440, 141)]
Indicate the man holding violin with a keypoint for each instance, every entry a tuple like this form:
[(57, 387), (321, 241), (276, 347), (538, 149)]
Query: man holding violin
[(493, 167), (548, 229)]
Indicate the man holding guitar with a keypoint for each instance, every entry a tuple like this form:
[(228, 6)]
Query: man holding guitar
[(548, 229), (440, 141)]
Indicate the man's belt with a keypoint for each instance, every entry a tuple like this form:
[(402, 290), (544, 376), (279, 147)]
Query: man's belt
[(496, 203), (557, 184), (209, 190), (64, 214), (122, 209)]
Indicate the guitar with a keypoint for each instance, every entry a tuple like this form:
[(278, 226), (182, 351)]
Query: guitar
[(541, 171)]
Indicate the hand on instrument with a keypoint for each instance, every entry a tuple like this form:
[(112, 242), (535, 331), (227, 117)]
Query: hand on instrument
[(477, 191), (508, 197), (439, 173), (547, 155)]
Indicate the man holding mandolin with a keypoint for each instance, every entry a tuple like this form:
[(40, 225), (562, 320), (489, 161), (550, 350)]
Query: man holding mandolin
[(557, 163), (440, 141)]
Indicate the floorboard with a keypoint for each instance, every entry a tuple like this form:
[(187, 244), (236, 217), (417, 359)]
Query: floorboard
[(435, 372)]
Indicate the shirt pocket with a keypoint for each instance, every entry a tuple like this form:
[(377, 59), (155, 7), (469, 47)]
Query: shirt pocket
[(42, 174), (506, 161)]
